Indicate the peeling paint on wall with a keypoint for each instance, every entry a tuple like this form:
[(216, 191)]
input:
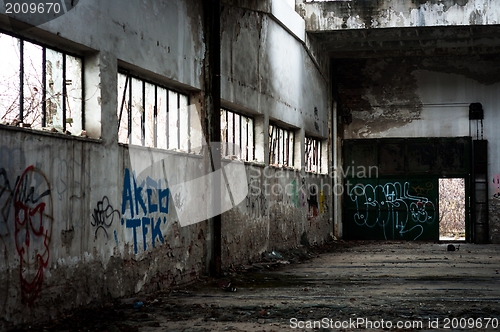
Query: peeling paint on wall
[(358, 14), (381, 93), (388, 94)]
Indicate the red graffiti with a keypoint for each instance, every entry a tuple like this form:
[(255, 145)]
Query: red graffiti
[(33, 229)]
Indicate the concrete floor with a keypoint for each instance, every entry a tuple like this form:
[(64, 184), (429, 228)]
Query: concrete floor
[(346, 288)]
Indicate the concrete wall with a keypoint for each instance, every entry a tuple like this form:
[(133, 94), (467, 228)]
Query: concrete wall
[(106, 219), (283, 208), (358, 14), (425, 97), (270, 71)]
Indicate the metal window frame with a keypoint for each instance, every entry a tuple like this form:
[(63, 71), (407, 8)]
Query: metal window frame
[(282, 137), (64, 53), (128, 79), (313, 145), (249, 156)]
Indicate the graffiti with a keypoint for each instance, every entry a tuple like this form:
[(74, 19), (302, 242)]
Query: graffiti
[(312, 203), (33, 216), (178, 201), (391, 206), (256, 200), (144, 206), (6, 194), (423, 190), (496, 185), (303, 192), (6, 202), (103, 216), (295, 194), (4, 276), (66, 180), (323, 206)]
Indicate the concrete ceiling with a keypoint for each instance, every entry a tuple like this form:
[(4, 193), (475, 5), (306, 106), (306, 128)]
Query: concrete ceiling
[(409, 41)]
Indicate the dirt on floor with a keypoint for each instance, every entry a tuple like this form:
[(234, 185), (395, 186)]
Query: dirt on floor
[(342, 286)]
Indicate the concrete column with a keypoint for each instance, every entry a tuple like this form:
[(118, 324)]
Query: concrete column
[(299, 150), (100, 75), (338, 182), (261, 138)]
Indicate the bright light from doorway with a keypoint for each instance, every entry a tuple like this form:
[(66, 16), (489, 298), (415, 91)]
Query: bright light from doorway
[(452, 209)]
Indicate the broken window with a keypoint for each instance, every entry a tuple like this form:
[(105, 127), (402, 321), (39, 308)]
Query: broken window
[(313, 154), (152, 115), (281, 144), (40, 88), (237, 134)]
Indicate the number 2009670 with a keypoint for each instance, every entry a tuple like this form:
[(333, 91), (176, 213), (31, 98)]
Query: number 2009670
[(471, 323), (32, 8)]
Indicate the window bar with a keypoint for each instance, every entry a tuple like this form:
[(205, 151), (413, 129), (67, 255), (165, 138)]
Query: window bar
[(306, 153), (234, 135), (313, 159), (227, 132), (179, 127), (286, 149), (21, 75), (313, 156), (143, 117), (189, 125), (319, 157), (293, 150), (82, 79), (253, 142), (270, 143), (246, 140), (64, 93), (155, 118), (241, 145), (271, 146), (127, 78), (276, 145), (283, 147), (288, 161), (44, 87), (168, 109), (130, 109), (278, 137)]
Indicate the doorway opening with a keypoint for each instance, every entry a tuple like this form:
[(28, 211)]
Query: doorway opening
[(452, 209)]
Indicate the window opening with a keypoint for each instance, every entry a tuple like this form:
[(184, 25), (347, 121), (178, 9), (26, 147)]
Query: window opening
[(40, 87), (152, 115), (237, 135), (281, 144), (313, 154)]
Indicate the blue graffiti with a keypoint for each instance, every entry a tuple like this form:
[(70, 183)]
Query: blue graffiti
[(143, 198)]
